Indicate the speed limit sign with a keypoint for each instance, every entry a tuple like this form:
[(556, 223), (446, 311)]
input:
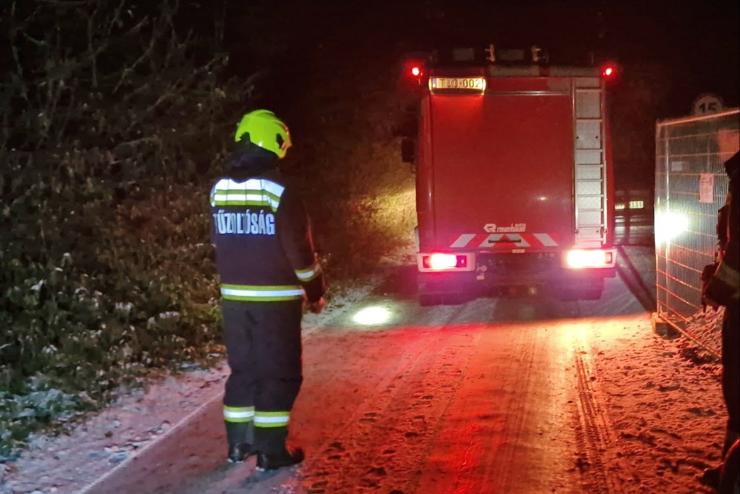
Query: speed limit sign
[(707, 103)]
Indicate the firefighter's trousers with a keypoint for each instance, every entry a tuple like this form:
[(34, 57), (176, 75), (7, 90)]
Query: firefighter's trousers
[(731, 372), (263, 343)]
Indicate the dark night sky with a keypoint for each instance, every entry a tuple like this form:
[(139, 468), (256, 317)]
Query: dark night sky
[(696, 43), (671, 52)]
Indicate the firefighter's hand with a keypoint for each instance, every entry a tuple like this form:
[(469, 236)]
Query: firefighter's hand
[(318, 306), (708, 302), (706, 276)]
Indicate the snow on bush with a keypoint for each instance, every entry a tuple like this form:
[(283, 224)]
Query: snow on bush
[(111, 138)]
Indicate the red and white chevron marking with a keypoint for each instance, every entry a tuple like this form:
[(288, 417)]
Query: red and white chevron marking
[(505, 241)]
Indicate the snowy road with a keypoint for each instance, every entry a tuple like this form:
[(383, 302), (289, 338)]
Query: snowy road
[(496, 395), (447, 405)]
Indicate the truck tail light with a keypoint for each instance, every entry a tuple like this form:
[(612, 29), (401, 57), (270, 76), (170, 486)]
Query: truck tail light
[(592, 258), (445, 262)]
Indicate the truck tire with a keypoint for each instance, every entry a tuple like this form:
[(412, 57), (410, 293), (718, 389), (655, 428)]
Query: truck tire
[(431, 299), (585, 291), (592, 292), (428, 300)]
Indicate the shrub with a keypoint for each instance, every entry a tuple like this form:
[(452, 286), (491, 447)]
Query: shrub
[(110, 137), (112, 130)]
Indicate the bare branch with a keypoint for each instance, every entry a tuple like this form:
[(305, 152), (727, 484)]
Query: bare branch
[(115, 19), (16, 56), (93, 54), (147, 53), (136, 142), (64, 3), (37, 42), (70, 110)]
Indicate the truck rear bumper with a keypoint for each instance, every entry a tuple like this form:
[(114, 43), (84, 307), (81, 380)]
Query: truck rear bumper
[(511, 270), (448, 283)]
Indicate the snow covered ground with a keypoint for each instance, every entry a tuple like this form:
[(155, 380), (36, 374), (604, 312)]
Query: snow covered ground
[(68, 462), (496, 395), (666, 411), (138, 418), (706, 328)]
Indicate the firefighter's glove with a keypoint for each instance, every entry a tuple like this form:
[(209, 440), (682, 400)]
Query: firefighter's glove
[(706, 275), (318, 306)]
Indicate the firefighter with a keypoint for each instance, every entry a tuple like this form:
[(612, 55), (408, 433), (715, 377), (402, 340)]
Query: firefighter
[(723, 288), (268, 269)]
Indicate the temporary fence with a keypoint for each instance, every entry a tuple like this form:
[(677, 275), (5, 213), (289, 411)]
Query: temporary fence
[(690, 186)]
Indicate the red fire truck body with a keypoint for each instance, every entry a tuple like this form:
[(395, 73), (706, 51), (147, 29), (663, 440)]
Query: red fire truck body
[(514, 179)]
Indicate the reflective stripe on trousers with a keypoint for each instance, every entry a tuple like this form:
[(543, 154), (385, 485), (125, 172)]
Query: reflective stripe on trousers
[(238, 414), (271, 419), (261, 293)]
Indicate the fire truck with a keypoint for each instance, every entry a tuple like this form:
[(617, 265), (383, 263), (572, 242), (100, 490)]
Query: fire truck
[(514, 176)]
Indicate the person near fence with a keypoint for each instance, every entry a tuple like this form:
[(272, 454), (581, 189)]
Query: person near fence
[(723, 288), (267, 266)]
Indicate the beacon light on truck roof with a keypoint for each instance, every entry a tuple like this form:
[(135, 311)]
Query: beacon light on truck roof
[(414, 70), (609, 71), (458, 84), (439, 261), (589, 258)]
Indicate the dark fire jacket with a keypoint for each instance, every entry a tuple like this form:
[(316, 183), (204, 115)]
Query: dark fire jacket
[(724, 286), (263, 240)]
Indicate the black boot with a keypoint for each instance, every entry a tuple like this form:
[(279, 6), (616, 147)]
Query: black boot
[(273, 461), (730, 437), (270, 442), (710, 477), (729, 479), (240, 436), (239, 452)]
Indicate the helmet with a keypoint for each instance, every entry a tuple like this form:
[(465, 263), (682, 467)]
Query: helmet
[(265, 130)]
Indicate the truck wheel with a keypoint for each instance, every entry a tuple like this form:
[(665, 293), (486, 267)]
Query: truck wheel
[(427, 300), (565, 294), (590, 291)]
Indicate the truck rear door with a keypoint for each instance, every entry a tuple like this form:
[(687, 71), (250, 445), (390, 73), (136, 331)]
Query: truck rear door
[(503, 167)]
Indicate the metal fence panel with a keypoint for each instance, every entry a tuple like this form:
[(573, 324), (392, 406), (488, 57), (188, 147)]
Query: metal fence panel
[(690, 186)]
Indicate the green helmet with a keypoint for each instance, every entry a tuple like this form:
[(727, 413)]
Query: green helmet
[(265, 130)]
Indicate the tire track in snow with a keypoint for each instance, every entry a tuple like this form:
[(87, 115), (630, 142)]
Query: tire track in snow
[(507, 429), (361, 354), (594, 434), (422, 416), (497, 472), (382, 443), (485, 447), (327, 463), (356, 366)]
